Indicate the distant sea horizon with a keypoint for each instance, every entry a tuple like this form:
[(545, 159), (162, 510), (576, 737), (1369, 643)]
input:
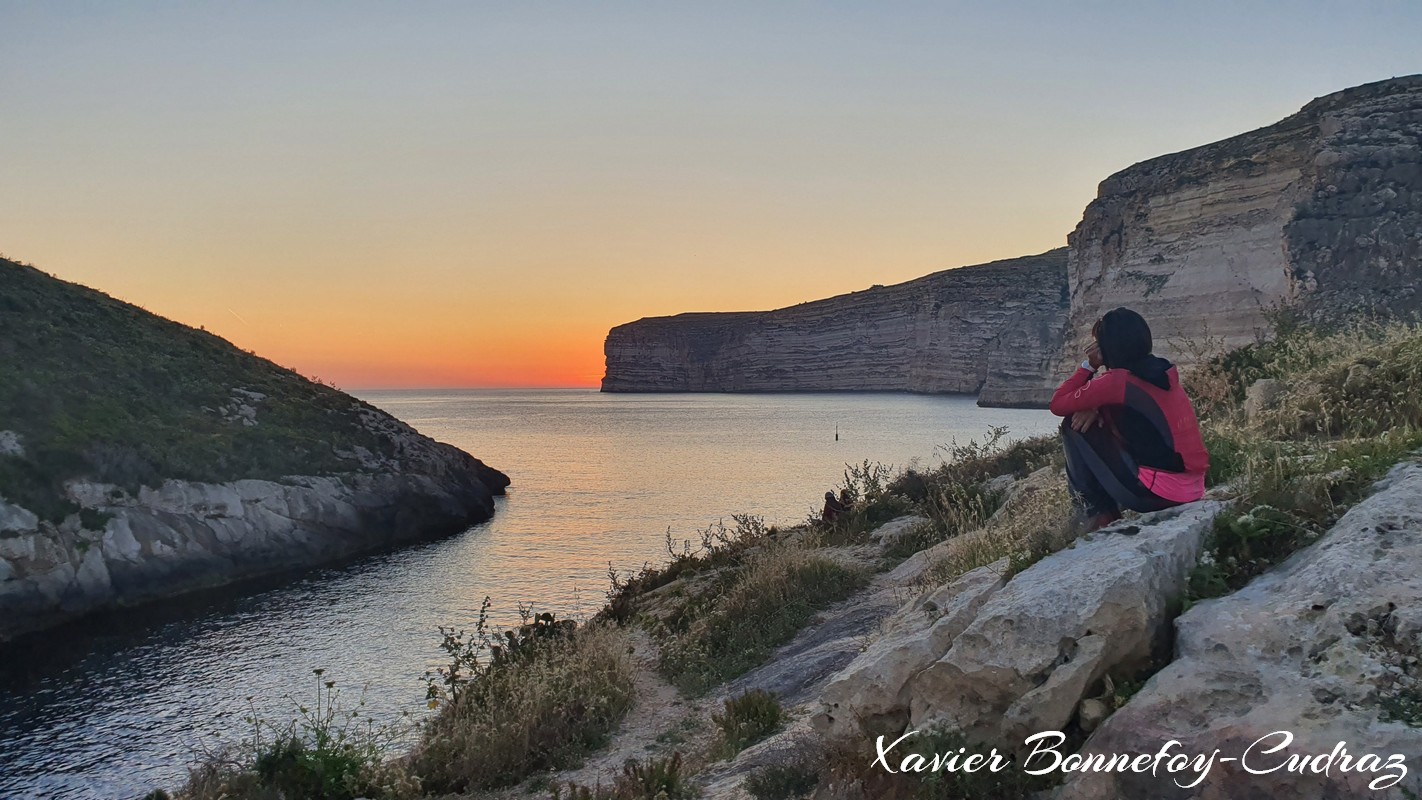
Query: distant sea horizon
[(600, 481)]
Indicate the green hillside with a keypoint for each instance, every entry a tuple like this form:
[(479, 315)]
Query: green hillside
[(101, 389)]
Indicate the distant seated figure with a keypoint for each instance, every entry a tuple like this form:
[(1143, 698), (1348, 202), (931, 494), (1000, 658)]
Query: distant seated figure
[(835, 507), (1131, 436)]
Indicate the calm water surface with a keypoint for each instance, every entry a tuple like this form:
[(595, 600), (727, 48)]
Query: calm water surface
[(115, 707)]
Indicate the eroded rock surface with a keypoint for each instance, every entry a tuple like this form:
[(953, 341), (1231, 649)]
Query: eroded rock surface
[(870, 696), (1037, 645), (1326, 647), (961, 330), (1319, 211), (126, 548)]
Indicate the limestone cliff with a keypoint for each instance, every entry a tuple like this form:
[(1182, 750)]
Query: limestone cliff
[(1320, 211), (983, 328), (142, 459)]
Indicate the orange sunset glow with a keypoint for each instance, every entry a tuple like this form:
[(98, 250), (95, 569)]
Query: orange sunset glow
[(475, 200)]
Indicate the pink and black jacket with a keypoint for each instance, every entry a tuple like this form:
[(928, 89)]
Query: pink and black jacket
[(1153, 420)]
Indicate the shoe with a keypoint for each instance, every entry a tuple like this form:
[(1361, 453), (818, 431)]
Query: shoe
[(1100, 521), (1083, 522)]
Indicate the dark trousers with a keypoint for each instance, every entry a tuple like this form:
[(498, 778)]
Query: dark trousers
[(1102, 474)]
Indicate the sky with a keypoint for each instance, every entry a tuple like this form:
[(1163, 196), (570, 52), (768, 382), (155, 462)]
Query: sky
[(433, 194)]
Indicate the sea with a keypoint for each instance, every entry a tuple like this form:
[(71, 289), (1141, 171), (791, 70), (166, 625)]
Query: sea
[(119, 705)]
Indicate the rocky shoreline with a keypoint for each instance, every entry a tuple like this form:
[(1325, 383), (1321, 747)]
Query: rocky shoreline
[(181, 536), (141, 459)]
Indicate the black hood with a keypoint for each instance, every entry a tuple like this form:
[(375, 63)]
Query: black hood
[(1152, 369)]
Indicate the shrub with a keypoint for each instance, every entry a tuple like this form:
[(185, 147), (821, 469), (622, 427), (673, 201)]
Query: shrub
[(1032, 525), (783, 781), (328, 752), (757, 607), (525, 701), (653, 779), (952, 496), (1288, 494), (1350, 411), (746, 719), (719, 547)]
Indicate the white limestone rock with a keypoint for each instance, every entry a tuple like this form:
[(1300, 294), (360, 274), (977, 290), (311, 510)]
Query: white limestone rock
[(1038, 645), (1321, 647), (11, 444), (892, 531), (869, 697)]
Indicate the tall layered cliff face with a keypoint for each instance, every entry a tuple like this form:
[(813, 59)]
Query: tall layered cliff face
[(1321, 212), (987, 328), (140, 459)]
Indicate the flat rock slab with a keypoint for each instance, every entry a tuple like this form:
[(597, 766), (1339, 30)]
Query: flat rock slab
[(1325, 647), (870, 696), (799, 669), (1056, 629)]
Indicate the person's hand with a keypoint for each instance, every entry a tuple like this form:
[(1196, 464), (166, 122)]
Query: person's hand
[(1093, 356), (1083, 421)]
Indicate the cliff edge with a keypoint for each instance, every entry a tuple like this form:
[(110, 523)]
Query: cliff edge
[(140, 459), (974, 329), (1319, 213)]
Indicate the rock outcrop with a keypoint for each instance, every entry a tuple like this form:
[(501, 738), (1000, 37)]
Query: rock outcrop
[(975, 329), (1320, 212), (1325, 647), (143, 459), (1000, 659), (1038, 645), (871, 697), (181, 535)]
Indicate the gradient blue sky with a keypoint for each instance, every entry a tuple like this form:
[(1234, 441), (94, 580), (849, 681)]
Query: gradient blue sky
[(471, 194)]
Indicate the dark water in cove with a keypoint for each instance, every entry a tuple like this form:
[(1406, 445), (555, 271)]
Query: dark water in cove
[(115, 707)]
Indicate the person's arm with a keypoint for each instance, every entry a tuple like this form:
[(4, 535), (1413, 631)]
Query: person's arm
[(1082, 391)]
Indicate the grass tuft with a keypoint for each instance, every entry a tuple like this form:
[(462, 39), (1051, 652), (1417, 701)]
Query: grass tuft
[(539, 702), (734, 625), (746, 719)]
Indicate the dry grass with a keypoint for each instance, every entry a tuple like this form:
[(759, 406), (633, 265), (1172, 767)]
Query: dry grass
[(752, 610), (541, 711), (1349, 411), (1030, 526)]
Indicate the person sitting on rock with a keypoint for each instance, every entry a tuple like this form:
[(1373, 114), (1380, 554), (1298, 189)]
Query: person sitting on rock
[(834, 508), (1130, 433)]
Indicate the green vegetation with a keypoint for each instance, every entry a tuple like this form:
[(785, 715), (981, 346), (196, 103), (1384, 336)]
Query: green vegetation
[(746, 719), (721, 608), (954, 497), (328, 752), (1347, 412), (532, 699), (517, 704), (784, 781), (749, 610), (104, 390), (1404, 706), (653, 779), (510, 705)]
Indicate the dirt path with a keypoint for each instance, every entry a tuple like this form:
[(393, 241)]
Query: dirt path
[(659, 723)]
